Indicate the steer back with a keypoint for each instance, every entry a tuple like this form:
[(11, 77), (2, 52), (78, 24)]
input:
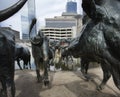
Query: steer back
[(107, 13), (105, 21), (7, 45), (22, 53), (7, 52)]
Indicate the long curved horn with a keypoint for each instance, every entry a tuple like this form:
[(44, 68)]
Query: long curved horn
[(30, 30), (34, 20), (6, 13)]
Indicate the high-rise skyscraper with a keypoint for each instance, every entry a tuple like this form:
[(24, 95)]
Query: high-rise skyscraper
[(66, 26), (71, 6), (27, 15), (21, 20)]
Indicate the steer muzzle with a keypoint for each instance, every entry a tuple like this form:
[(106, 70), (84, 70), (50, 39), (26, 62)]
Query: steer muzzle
[(37, 40)]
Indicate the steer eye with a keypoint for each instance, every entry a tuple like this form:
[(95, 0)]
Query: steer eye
[(1, 40), (2, 37), (37, 37)]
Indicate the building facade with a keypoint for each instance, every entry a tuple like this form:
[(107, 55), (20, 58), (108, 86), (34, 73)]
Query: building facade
[(66, 26), (61, 27), (71, 7), (28, 13), (59, 33)]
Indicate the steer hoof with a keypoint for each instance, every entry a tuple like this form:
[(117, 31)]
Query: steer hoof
[(118, 86), (39, 79), (100, 87), (3, 93), (46, 82)]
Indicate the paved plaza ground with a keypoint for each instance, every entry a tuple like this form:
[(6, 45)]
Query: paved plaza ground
[(63, 84)]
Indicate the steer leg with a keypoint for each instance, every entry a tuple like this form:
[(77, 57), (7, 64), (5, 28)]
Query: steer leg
[(29, 64), (3, 92), (18, 62), (84, 66), (10, 87), (106, 76), (46, 80), (13, 88), (114, 67), (39, 78), (24, 66), (84, 69), (67, 59)]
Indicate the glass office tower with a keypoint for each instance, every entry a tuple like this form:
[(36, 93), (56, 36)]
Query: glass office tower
[(71, 7), (27, 15)]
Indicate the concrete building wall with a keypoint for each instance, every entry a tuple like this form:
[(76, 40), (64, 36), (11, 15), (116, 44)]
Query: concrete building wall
[(59, 33), (26, 16), (71, 7), (60, 23), (66, 26)]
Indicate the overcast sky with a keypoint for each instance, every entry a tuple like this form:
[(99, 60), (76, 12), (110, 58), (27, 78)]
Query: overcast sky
[(51, 8), (44, 8)]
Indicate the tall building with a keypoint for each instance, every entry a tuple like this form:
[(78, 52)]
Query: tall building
[(27, 15), (21, 20), (71, 7), (60, 22), (66, 26), (61, 27)]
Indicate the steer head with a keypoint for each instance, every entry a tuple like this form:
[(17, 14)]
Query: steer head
[(38, 39), (73, 47)]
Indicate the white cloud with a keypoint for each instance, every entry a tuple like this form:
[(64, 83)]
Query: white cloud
[(51, 8), (47, 8)]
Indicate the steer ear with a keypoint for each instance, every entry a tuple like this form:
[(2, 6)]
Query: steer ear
[(4, 14)]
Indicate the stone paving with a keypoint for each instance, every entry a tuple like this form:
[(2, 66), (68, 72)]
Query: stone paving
[(63, 84)]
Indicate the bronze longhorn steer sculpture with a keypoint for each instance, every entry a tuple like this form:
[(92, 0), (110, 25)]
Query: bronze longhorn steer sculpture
[(41, 54), (74, 49), (100, 38), (22, 53), (7, 52)]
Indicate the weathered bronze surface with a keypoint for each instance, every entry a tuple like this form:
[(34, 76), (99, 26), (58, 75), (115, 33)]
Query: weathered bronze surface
[(22, 53), (7, 52), (100, 36), (42, 54)]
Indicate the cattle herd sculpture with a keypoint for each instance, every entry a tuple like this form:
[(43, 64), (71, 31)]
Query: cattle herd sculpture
[(22, 53), (99, 41), (40, 52), (7, 52), (100, 36)]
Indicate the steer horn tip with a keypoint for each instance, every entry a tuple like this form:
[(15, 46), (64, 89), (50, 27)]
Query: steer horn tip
[(34, 20)]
